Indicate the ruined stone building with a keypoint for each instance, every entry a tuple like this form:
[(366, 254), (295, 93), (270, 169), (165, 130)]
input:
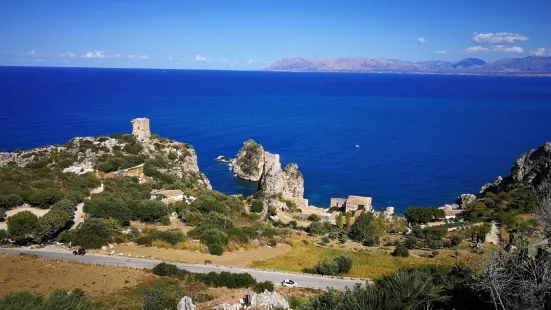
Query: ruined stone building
[(140, 129)]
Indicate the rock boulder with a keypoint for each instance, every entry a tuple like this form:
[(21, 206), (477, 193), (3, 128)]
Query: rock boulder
[(269, 300), (465, 199), (186, 304), (534, 169)]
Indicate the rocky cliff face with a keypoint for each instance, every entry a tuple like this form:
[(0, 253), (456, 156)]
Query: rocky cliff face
[(84, 154), (534, 169), (289, 181), (249, 163)]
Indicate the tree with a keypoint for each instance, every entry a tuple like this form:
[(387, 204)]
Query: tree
[(66, 205), (423, 215), (348, 220), (22, 225), (344, 263), (51, 224), (2, 215), (340, 221), (94, 232), (326, 267), (108, 206), (150, 211), (367, 225)]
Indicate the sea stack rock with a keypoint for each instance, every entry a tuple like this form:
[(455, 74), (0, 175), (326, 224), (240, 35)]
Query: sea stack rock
[(534, 169), (289, 181), (249, 163)]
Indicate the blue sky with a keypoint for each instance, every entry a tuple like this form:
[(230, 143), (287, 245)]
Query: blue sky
[(248, 35)]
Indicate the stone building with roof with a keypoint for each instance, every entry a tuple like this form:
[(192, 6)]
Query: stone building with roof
[(352, 203)]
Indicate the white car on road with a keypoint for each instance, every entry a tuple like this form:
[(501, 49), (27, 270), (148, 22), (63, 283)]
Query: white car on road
[(288, 283)]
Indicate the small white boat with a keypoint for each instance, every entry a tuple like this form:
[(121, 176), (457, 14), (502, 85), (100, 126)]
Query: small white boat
[(357, 145)]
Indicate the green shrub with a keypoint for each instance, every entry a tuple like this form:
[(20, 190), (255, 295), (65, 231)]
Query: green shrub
[(10, 201), (2, 215), (170, 236), (400, 251), (214, 236), (165, 220), (22, 301), (314, 218), (150, 211), (157, 299), (230, 280), (215, 249), (344, 264), (326, 267), (435, 253), (166, 270), (257, 206), (22, 225), (58, 300), (51, 224), (261, 287), (456, 240), (94, 233), (108, 206), (65, 205)]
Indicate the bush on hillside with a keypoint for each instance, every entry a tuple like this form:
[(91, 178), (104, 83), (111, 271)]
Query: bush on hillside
[(327, 267), (229, 280), (261, 287), (400, 251), (344, 263), (257, 206), (107, 206), (314, 218), (22, 225), (10, 201), (2, 215), (62, 300), (51, 224), (215, 249), (94, 233), (167, 270), (150, 211)]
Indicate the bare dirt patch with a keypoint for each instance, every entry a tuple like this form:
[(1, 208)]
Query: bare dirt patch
[(36, 211), (236, 258), (30, 273)]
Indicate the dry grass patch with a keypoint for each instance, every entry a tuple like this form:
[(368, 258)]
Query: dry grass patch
[(30, 273), (235, 258), (366, 264)]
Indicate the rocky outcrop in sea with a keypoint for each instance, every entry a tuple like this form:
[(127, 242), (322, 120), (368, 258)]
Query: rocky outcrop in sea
[(249, 163), (253, 163)]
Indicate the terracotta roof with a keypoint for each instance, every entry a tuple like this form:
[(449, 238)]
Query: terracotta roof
[(167, 192), (359, 200)]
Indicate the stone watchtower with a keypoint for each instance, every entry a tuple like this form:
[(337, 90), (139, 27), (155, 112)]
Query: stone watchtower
[(140, 129)]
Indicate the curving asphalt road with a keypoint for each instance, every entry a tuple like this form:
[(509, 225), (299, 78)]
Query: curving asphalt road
[(303, 280)]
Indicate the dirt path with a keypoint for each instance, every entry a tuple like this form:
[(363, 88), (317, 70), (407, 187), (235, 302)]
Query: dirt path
[(79, 213), (493, 235)]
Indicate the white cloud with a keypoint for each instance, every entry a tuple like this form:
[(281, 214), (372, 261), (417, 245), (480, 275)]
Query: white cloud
[(443, 52), (498, 38), (476, 49), (144, 57), (131, 56), (170, 58), (67, 55), (117, 56), (94, 54), (508, 49), (31, 53), (201, 58), (421, 40), (541, 52)]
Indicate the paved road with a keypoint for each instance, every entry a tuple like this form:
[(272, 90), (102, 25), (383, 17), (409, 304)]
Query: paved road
[(309, 281)]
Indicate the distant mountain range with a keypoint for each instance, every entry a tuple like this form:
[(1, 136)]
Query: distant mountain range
[(532, 65)]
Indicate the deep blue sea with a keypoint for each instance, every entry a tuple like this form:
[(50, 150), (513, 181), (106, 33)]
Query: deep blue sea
[(423, 139)]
